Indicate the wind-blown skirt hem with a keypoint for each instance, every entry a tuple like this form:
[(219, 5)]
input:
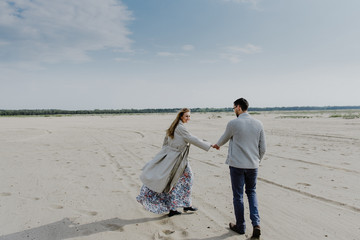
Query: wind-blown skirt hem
[(179, 196)]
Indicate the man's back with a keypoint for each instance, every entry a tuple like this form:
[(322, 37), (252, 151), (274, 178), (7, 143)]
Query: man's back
[(247, 142)]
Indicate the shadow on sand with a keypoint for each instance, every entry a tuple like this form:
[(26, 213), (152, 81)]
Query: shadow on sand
[(224, 236), (65, 229)]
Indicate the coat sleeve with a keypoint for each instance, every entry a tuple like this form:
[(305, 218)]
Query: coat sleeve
[(165, 142), (193, 139)]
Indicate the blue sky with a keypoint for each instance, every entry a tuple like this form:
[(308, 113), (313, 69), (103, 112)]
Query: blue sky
[(112, 54)]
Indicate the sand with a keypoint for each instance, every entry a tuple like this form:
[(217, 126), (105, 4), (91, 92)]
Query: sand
[(76, 177)]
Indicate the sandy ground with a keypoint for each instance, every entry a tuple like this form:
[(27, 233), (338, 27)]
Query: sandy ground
[(77, 177)]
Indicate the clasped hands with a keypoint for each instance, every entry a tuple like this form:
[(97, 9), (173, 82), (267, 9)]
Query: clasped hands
[(215, 146)]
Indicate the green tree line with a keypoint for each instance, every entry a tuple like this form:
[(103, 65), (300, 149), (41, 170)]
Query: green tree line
[(29, 112)]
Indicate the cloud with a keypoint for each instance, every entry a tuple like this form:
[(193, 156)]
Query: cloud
[(2, 43), (234, 53), (61, 30), (169, 54), (208, 61), (242, 1), (248, 49), (254, 3), (233, 58), (165, 54), (121, 59), (188, 47)]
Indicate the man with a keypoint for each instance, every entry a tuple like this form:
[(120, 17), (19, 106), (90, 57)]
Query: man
[(246, 149)]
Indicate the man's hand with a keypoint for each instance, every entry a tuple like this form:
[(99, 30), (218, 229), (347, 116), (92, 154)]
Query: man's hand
[(215, 146)]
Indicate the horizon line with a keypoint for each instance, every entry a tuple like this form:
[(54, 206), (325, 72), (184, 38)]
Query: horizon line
[(196, 108)]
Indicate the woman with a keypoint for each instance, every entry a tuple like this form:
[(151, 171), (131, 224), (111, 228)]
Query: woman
[(168, 178)]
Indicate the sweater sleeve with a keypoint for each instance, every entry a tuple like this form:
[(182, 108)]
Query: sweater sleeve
[(226, 135), (262, 144)]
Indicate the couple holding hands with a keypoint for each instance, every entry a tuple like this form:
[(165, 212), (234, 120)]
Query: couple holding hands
[(167, 179)]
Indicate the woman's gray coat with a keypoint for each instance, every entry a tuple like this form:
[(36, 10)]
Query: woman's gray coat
[(164, 170)]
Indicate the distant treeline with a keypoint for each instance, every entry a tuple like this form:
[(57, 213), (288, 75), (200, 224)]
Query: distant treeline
[(27, 112)]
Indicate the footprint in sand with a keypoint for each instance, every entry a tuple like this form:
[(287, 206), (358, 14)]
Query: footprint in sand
[(164, 222), (304, 184), (89, 213), (305, 168), (55, 206), (168, 232), (185, 233), (92, 213), (164, 234), (114, 227)]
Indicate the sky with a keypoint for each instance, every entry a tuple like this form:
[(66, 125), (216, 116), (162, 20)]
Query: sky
[(122, 54)]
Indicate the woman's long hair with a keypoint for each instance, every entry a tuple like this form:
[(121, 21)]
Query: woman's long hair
[(170, 132)]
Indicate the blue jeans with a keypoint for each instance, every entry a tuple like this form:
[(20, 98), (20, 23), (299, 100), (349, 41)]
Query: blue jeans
[(239, 178)]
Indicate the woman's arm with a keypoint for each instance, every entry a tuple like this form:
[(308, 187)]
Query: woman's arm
[(189, 138)]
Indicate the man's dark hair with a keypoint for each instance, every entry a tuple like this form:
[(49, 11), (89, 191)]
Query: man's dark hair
[(243, 103)]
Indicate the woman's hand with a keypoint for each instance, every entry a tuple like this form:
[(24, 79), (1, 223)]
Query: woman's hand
[(215, 146)]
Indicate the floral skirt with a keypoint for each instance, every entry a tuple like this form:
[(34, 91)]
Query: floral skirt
[(179, 196)]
